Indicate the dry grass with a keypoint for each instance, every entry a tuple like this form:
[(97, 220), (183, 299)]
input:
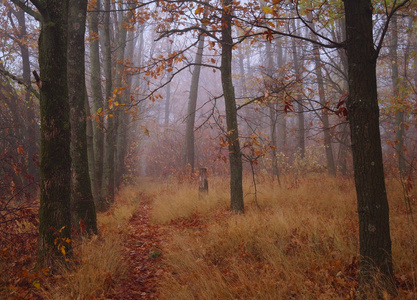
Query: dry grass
[(294, 243), (99, 258)]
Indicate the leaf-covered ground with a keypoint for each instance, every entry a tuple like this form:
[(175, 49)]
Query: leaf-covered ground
[(143, 257)]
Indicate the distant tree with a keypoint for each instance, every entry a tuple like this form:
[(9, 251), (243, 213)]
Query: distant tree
[(189, 148), (98, 105), (108, 175)]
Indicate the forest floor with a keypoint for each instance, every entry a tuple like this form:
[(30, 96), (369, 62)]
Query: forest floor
[(143, 256), (162, 240)]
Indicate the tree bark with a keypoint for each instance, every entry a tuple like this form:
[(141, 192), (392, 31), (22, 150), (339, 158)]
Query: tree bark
[(55, 165), (363, 114), (81, 196), (235, 155), (97, 96), (189, 151), (108, 175)]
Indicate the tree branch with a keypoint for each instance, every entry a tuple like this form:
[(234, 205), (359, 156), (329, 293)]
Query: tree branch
[(394, 9), (20, 81), (30, 11)]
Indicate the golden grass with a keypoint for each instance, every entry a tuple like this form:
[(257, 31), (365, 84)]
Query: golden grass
[(294, 243), (99, 259)]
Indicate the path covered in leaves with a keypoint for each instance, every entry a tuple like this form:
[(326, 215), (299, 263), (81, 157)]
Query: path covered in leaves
[(142, 255)]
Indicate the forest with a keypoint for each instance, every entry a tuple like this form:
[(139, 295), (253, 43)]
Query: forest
[(208, 149)]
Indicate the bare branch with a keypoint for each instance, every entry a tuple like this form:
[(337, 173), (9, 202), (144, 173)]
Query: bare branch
[(20, 81), (30, 11)]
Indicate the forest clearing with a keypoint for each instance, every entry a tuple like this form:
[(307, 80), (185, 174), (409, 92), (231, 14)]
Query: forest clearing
[(297, 241), (216, 149)]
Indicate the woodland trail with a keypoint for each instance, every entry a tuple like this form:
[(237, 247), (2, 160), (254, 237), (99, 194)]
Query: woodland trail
[(142, 257)]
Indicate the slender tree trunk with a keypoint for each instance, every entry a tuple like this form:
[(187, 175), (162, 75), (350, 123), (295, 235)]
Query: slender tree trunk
[(363, 114), (97, 96), (189, 151), (120, 82), (90, 141), (281, 120), (300, 110), (331, 167), (235, 155), (272, 114), (55, 165), (108, 174), (81, 195), (32, 129), (399, 115)]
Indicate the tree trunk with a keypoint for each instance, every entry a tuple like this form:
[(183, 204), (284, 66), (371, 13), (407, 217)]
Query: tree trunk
[(189, 151), (363, 114), (55, 165), (270, 68), (97, 96), (108, 175), (399, 115), (32, 129), (301, 148), (81, 195), (331, 167), (235, 156)]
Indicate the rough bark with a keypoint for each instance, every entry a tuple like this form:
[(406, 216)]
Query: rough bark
[(189, 150), (235, 155), (55, 165), (81, 195), (363, 114)]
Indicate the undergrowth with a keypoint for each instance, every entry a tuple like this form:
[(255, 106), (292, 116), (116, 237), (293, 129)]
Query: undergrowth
[(99, 260), (296, 242)]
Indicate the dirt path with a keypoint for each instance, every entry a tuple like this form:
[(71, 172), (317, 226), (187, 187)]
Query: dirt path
[(142, 255)]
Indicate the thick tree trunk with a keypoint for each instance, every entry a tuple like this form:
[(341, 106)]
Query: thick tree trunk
[(55, 166), (97, 96), (363, 114), (81, 195), (235, 155), (189, 150)]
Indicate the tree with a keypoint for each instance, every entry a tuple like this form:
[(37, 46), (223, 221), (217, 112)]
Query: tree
[(363, 115), (97, 108), (189, 149), (55, 165), (235, 155), (82, 197), (108, 176), (399, 115)]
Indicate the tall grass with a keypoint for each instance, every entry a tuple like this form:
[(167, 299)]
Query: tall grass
[(100, 259), (295, 242)]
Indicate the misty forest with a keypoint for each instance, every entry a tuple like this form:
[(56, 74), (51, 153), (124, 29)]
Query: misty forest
[(208, 149)]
